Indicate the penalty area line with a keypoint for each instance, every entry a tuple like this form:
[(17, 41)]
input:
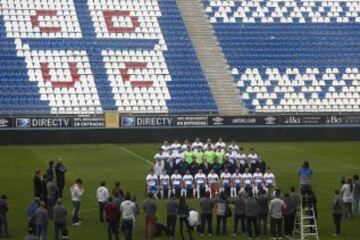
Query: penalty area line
[(136, 155)]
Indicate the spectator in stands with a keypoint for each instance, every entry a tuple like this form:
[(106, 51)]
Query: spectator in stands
[(239, 214), (117, 189), (206, 208), (111, 214), (31, 214), (263, 212), (347, 194), (356, 195), (41, 220), (128, 211), (149, 207), (50, 170), (337, 211), (289, 214), (37, 183), (222, 204), (52, 191), (305, 173), (60, 215), (171, 214), (60, 171), (4, 229), (183, 211), (102, 195), (76, 191), (276, 212), (30, 235), (251, 213)]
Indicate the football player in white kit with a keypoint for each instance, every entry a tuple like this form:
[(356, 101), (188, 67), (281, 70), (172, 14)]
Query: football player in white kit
[(185, 145), (241, 160), (233, 147), (176, 183), (209, 143), (164, 184), (253, 159), (166, 148), (197, 145), (269, 179), (188, 185), (247, 180), (258, 178), (226, 181), (152, 183), (220, 143), (213, 180), (200, 184), (175, 147), (161, 156), (236, 183)]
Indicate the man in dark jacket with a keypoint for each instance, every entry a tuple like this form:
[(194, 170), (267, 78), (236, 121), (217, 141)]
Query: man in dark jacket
[(194, 167), (112, 216), (289, 215), (171, 212), (4, 231), (60, 171), (263, 211), (60, 214), (239, 214), (206, 208), (251, 213), (50, 170), (51, 196), (43, 195), (41, 219), (337, 211), (31, 214), (37, 183)]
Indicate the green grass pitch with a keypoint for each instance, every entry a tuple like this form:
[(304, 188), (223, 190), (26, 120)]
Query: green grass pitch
[(115, 162)]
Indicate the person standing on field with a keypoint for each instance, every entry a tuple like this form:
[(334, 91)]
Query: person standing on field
[(347, 194), (206, 207), (37, 184), (276, 212), (128, 211), (149, 207), (305, 173), (76, 191), (60, 171), (337, 211), (60, 214), (4, 230), (171, 212), (356, 195), (112, 216), (51, 196), (42, 220), (102, 195)]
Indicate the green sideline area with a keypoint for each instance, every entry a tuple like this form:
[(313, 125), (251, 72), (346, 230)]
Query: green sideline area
[(117, 162)]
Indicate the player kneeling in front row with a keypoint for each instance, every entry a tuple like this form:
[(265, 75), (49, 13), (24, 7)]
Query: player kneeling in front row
[(188, 185), (213, 180), (164, 185), (176, 182), (200, 184), (152, 183), (236, 183)]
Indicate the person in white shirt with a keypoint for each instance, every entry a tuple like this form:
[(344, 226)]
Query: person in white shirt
[(188, 185), (152, 183), (175, 147), (213, 180), (241, 160), (127, 209), (258, 178), (233, 147), (197, 145), (269, 179), (76, 193), (252, 160), (247, 179), (200, 183), (220, 144), (209, 144), (226, 181), (185, 145), (236, 183), (165, 148), (231, 156), (164, 184), (102, 195), (159, 167), (161, 156), (176, 181)]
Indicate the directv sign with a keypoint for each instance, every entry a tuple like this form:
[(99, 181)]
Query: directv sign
[(147, 121), (59, 122)]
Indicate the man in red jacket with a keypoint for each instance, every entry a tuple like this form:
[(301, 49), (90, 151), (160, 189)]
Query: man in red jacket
[(112, 216)]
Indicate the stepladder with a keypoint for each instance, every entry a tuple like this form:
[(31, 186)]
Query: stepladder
[(305, 222)]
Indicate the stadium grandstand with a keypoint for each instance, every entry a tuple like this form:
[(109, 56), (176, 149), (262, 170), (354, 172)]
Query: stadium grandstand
[(91, 90)]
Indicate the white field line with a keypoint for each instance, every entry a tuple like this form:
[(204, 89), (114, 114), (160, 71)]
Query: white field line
[(137, 155)]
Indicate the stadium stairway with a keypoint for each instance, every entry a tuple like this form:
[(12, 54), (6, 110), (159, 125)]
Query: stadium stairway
[(211, 57)]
